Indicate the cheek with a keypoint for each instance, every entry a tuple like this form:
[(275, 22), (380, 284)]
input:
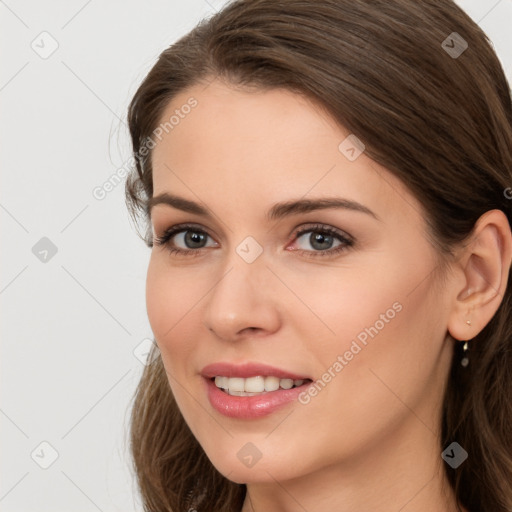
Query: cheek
[(170, 301), (373, 338), (161, 296), (339, 305)]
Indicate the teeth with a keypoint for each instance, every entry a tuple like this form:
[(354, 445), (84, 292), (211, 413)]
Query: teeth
[(271, 383), (237, 386), (253, 385), (221, 382), (241, 393), (286, 383)]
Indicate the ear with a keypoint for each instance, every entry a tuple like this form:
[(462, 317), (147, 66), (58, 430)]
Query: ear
[(483, 266)]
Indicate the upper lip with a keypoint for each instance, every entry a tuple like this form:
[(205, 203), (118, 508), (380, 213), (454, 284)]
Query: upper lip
[(251, 369)]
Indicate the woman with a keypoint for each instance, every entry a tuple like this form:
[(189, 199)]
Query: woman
[(325, 186)]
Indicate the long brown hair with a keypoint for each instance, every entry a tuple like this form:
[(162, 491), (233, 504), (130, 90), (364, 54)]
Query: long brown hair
[(441, 122)]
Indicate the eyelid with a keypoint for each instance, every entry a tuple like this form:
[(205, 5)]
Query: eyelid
[(327, 228)]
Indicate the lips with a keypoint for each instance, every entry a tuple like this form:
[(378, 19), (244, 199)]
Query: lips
[(247, 370), (250, 406)]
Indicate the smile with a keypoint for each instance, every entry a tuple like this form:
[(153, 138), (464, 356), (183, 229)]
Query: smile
[(251, 390)]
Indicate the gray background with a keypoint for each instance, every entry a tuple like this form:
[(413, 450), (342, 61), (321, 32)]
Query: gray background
[(74, 321)]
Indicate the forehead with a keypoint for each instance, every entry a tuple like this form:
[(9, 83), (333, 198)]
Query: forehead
[(259, 147), (228, 121)]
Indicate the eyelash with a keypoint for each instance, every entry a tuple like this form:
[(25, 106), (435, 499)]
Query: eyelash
[(346, 241)]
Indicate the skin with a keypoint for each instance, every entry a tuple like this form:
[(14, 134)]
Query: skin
[(370, 439)]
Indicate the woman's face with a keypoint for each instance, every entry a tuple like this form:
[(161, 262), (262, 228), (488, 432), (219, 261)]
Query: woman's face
[(274, 286)]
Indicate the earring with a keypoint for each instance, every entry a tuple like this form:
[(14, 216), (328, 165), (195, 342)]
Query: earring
[(465, 360), (468, 322)]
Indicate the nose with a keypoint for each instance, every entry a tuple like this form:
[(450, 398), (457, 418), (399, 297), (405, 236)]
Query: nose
[(243, 301)]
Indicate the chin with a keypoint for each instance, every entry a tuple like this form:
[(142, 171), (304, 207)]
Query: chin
[(241, 469)]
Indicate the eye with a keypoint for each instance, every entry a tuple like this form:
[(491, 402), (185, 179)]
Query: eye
[(184, 239), (323, 240)]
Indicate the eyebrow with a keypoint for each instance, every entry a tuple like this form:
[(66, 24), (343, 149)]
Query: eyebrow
[(278, 210)]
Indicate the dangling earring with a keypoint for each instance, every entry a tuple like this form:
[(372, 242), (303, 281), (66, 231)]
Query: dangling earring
[(465, 360)]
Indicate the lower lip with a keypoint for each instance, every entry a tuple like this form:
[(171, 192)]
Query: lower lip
[(250, 407)]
